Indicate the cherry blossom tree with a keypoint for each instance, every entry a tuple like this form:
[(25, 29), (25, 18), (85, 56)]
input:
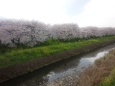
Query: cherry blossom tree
[(65, 31), (30, 33)]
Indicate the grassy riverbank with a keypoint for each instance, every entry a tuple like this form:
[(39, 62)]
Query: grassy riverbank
[(110, 79), (101, 74), (20, 55)]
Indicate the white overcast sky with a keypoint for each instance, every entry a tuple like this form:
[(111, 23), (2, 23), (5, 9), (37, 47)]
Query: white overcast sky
[(83, 12)]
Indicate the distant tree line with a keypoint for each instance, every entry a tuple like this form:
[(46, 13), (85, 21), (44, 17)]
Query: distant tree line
[(30, 33)]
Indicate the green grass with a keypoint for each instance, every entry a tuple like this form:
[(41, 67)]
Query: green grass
[(20, 55), (108, 81)]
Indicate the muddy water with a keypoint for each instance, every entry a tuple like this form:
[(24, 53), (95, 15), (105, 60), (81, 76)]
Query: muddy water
[(59, 70)]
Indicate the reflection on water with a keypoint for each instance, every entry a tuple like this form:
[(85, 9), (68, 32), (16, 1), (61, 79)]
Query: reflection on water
[(85, 61), (58, 70)]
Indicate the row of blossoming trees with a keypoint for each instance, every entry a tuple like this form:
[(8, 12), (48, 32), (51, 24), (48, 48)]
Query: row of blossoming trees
[(30, 33)]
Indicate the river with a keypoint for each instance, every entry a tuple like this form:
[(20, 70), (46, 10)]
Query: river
[(58, 70)]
